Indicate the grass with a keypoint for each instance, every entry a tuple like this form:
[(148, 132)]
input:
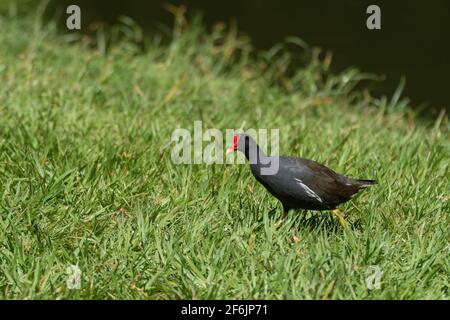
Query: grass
[(86, 176)]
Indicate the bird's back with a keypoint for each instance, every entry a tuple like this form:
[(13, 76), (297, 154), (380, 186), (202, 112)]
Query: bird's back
[(306, 184)]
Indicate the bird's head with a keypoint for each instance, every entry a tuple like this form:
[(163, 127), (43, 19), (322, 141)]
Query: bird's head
[(241, 142), (247, 145)]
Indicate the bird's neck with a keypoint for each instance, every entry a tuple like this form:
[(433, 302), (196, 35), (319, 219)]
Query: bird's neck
[(254, 154), (262, 165)]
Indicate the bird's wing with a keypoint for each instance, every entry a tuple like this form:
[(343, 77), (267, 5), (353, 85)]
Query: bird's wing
[(326, 184)]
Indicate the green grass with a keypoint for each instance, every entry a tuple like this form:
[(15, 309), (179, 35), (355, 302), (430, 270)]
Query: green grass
[(86, 176)]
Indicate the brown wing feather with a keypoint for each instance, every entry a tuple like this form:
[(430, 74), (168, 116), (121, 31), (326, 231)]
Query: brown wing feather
[(332, 187)]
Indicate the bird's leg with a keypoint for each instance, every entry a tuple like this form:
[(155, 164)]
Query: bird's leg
[(284, 217), (285, 212), (340, 216)]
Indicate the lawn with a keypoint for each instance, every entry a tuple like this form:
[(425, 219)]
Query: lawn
[(87, 180)]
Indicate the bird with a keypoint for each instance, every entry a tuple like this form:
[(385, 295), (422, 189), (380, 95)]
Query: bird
[(299, 183)]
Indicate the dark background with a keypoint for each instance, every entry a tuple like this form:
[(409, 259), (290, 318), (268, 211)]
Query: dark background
[(414, 40)]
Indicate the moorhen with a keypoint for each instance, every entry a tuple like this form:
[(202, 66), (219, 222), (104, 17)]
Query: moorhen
[(299, 183)]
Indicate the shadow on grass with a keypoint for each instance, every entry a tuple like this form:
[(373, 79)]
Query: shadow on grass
[(316, 220)]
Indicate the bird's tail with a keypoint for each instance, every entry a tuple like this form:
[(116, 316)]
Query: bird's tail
[(363, 183)]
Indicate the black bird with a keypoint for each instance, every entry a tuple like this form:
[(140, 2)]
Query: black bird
[(297, 182)]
